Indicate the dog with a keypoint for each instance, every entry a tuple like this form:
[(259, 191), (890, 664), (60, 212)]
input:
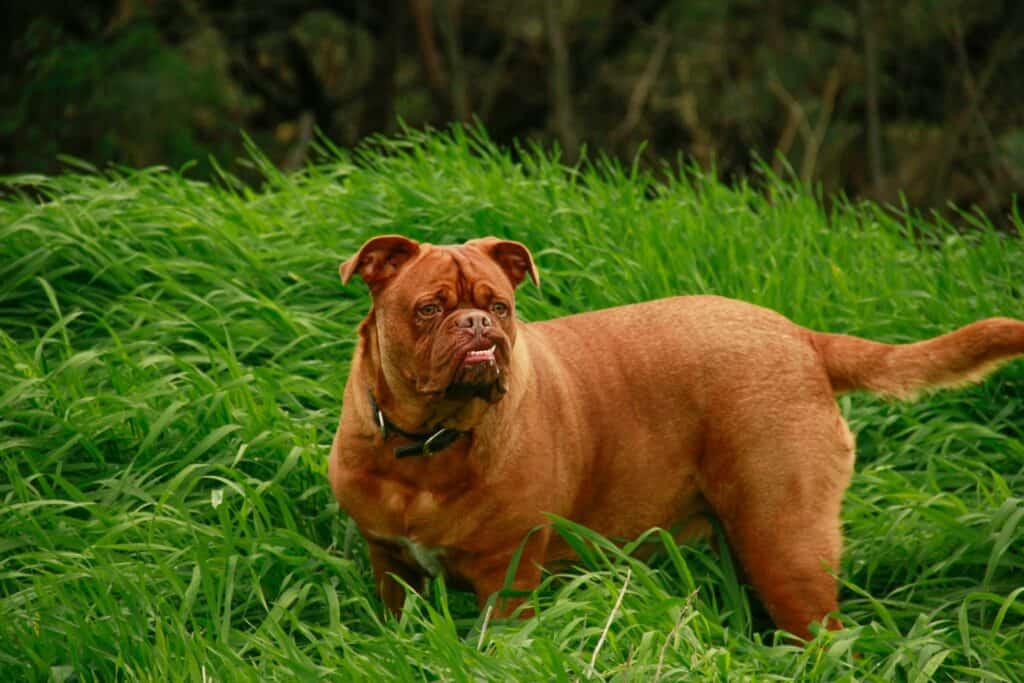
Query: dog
[(462, 427)]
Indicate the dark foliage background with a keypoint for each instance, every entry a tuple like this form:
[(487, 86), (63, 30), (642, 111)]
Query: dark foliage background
[(918, 100)]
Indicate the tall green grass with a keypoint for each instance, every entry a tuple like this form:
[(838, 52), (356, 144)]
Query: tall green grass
[(173, 355)]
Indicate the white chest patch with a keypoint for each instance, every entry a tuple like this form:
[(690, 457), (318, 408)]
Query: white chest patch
[(429, 559)]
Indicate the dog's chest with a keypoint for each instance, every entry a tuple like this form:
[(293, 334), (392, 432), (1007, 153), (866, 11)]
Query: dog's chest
[(428, 559), (419, 525)]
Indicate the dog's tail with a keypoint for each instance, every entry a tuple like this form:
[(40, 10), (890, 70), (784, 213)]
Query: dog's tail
[(904, 370)]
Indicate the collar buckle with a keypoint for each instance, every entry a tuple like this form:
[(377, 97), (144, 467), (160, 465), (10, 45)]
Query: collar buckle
[(429, 444)]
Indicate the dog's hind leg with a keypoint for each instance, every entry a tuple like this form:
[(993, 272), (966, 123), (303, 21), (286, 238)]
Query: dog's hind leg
[(777, 487)]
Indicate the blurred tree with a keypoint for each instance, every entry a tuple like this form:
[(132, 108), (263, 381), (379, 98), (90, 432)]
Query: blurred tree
[(103, 85), (922, 98)]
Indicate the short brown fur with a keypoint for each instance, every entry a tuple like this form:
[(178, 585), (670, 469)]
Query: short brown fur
[(654, 414)]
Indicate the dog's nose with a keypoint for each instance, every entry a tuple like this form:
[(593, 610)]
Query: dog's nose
[(477, 321)]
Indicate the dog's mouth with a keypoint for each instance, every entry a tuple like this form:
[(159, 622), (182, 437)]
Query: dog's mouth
[(480, 357), (478, 373), (469, 368)]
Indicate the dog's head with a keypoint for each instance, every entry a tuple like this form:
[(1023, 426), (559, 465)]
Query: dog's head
[(444, 316)]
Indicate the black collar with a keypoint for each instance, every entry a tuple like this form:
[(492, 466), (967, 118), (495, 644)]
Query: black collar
[(423, 444)]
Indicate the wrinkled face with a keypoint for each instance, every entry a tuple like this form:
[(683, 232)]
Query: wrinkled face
[(447, 324), (444, 315)]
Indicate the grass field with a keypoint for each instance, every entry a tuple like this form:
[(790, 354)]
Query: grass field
[(172, 356)]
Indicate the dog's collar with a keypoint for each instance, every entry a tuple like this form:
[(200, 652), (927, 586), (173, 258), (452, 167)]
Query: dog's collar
[(422, 444)]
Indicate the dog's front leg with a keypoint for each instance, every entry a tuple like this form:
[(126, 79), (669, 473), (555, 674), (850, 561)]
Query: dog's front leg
[(386, 567), (490, 575)]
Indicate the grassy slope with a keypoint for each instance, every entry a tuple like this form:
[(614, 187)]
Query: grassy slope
[(171, 362)]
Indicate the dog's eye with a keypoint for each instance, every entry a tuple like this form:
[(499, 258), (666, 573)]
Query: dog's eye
[(429, 310), (499, 309)]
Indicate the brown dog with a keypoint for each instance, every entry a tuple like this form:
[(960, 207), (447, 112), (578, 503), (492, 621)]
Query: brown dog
[(462, 426)]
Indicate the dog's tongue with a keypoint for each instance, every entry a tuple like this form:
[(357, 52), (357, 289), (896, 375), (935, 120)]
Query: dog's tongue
[(480, 356)]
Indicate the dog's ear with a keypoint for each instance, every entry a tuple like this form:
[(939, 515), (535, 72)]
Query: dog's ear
[(379, 260), (513, 257)]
